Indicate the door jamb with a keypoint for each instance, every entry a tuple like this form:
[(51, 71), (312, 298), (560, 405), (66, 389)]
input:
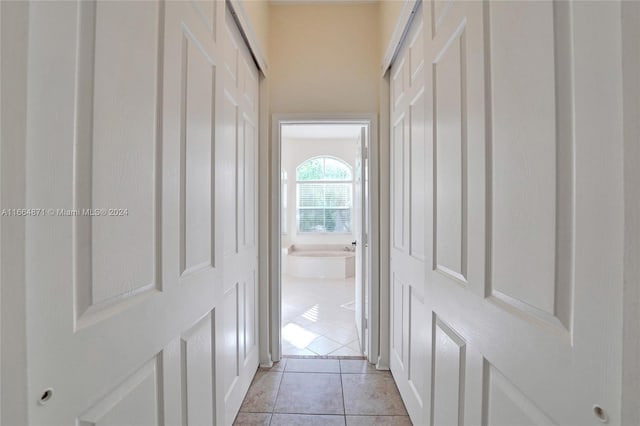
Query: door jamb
[(274, 296)]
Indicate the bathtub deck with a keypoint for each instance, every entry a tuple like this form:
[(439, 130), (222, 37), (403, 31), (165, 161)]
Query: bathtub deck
[(320, 264)]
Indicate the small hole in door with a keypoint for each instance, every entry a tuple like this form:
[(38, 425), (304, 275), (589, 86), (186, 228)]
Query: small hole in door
[(600, 413), (46, 396)]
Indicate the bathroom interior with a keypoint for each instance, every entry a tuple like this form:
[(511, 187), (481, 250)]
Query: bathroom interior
[(318, 239)]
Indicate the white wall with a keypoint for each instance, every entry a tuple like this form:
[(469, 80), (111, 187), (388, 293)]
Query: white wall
[(295, 152)]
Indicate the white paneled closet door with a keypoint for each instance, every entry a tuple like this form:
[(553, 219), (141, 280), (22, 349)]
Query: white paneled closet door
[(409, 323), (238, 161), (522, 320), (144, 312)]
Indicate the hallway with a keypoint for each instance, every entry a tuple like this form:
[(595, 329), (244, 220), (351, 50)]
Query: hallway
[(299, 391), (488, 201)]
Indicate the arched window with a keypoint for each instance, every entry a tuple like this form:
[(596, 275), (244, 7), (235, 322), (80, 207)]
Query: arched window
[(324, 186)]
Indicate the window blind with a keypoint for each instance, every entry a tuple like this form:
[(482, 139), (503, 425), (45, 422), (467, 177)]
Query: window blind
[(324, 207)]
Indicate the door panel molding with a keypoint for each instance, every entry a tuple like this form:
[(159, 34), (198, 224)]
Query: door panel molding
[(125, 110), (523, 212)]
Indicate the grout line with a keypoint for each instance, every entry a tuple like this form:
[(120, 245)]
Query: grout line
[(320, 414), (294, 356), (272, 413), (275, 400), (344, 408), (377, 415), (277, 392)]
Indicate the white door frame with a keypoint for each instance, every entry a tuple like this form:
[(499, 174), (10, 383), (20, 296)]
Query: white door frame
[(275, 293)]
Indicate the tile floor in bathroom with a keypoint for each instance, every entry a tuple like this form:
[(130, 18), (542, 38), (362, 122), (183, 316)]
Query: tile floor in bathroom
[(299, 391), (318, 317)]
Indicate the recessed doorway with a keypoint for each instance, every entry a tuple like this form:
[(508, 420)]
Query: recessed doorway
[(322, 303), (318, 239)]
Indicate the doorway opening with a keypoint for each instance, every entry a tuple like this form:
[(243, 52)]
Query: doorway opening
[(322, 303)]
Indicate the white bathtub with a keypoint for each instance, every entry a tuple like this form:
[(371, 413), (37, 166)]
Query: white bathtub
[(316, 261)]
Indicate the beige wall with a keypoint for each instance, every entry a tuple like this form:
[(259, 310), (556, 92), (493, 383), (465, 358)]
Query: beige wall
[(389, 12), (327, 58), (324, 57), (258, 13)]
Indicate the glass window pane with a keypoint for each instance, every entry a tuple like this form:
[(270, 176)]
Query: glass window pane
[(311, 220), (311, 195), (336, 170), (338, 220), (338, 195), (324, 207), (323, 168), (310, 170)]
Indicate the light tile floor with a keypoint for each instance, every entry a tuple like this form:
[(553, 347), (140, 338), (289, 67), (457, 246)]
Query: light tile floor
[(318, 317), (322, 392)]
